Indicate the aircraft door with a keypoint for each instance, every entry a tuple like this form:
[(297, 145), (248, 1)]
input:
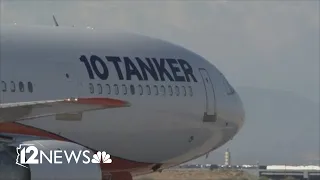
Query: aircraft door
[(210, 111)]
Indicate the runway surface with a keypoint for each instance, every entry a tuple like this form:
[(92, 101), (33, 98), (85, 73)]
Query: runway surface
[(198, 174)]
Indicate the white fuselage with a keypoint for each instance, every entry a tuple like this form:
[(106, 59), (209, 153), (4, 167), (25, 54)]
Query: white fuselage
[(162, 126)]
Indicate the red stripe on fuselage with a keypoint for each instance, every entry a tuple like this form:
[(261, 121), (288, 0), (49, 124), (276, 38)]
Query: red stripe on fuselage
[(102, 101)]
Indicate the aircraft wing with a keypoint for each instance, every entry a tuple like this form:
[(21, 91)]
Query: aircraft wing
[(10, 112)]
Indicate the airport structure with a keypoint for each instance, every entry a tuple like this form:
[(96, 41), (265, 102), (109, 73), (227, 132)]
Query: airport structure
[(276, 172), (227, 158)]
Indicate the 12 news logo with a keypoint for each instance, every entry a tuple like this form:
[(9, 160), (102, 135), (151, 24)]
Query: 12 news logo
[(52, 157)]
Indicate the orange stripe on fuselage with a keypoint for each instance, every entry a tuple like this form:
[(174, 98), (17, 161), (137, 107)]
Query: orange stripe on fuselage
[(103, 102)]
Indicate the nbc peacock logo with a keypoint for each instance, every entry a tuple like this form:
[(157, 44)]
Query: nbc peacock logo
[(101, 157)]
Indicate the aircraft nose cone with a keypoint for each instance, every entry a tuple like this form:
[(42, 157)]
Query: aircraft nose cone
[(240, 110)]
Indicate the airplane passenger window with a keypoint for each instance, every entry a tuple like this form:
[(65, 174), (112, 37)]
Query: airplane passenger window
[(177, 90), (21, 86), (108, 88), (13, 86), (4, 86), (190, 91), (132, 89), (124, 89), (170, 90), (184, 91), (91, 88), (148, 89), (116, 89), (162, 90), (99, 88), (30, 87), (140, 89), (156, 89)]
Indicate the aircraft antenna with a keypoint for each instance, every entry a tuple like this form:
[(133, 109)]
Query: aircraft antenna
[(55, 21)]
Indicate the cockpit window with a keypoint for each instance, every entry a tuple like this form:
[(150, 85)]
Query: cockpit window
[(229, 88)]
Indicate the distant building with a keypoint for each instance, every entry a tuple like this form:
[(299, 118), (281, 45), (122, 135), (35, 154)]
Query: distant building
[(285, 167), (227, 158), (298, 172)]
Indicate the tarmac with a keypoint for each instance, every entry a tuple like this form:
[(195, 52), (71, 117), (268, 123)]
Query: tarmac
[(198, 174)]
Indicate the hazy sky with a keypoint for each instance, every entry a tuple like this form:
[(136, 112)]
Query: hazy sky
[(260, 44)]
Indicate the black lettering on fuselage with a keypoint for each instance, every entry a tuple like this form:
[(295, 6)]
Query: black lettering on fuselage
[(187, 69), (97, 60), (147, 68), (115, 60), (131, 69), (161, 69), (175, 70), (156, 68), (84, 59)]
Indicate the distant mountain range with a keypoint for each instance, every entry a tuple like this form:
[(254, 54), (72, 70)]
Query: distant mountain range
[(280, 128)]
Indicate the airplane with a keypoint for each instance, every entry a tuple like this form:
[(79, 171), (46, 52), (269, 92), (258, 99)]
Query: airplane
[(149, 103)]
